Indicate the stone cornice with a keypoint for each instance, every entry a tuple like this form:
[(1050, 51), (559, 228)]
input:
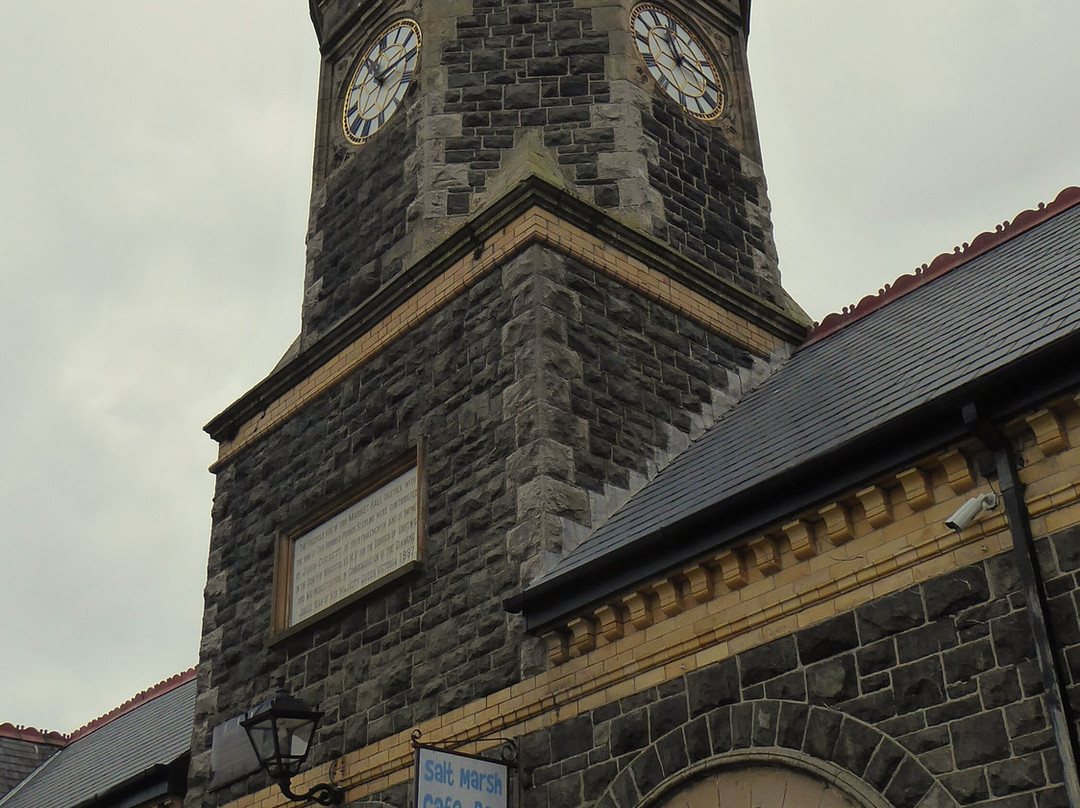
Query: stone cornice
[(496, 235)]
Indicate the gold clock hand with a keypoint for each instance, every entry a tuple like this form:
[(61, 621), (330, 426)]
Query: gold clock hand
[(390, 68)]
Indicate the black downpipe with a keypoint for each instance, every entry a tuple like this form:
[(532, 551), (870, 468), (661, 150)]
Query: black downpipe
[(1061, 720)]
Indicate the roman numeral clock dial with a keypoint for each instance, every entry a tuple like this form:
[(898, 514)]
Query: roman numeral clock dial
[(677, 61), (381, 80)]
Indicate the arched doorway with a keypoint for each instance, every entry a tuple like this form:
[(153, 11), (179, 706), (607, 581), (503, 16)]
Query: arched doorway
[(764, 779)]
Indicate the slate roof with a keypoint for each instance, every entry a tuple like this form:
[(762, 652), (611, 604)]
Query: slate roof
[(138, 741), (23, 749), (1010, 299)]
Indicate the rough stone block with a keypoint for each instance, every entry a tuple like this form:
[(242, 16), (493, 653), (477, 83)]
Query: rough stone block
[(629, 732), (791, 725), (767, 661), (1012, 776), (822, 730), (827, 638), (968, 661), (890, 615), (909, 785), (712, 686), (672, 754), (1013, 643), (955, 591), (855, 745), (832, 681), (979, 739), (720, 730), (766, 718), (967, 786), (918, 685)]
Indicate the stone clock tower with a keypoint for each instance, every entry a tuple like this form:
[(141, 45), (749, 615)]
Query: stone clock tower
[(621, 119), (539, 263)]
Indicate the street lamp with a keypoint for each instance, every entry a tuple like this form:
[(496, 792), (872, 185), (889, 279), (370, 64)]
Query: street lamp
[(280, 730)]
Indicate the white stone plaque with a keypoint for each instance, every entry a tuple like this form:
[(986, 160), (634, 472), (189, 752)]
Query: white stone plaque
[(367, 542)]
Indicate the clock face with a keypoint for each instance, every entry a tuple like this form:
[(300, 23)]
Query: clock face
[(380, 80), (677, 61)]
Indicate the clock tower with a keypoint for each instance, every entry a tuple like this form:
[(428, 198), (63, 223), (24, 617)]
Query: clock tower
[(539, 264), (639, 110)]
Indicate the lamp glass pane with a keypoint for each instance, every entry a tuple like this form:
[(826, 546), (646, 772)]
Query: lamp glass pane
[(262, 738)]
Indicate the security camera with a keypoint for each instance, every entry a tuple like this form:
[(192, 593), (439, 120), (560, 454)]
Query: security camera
[(967, 513)]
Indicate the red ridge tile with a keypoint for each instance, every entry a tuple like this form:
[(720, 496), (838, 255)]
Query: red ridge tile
[(151, 693), (32, 735), (944, 263)]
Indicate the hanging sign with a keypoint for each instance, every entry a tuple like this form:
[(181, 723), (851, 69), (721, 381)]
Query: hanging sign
[(452, 780)]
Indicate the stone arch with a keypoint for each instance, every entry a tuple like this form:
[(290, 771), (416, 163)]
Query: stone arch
[(764, 778), (865, 765)]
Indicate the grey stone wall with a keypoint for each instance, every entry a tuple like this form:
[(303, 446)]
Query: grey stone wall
[(357, 215), (537, 391), (715, 200), (931, 696), (537, 64)]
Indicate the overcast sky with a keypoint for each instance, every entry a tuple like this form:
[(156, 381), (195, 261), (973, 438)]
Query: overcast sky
[(154, 175)]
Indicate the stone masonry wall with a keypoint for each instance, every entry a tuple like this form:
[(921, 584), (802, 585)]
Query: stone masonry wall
[(714, 199), (537, 390), (611, 385), (421, 645), (931, 696), (537, 64), (357, 215)]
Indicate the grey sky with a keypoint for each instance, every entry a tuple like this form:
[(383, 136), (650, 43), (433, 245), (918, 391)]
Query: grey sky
[(154, 173)]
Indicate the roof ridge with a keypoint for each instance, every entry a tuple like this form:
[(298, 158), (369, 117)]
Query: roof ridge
[(19, 732), (151, 693), (945, 263)]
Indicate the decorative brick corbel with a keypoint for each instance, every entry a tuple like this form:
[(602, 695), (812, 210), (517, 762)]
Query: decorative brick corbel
[(875, 501), (957, 471), (838, 525), (1049, 432), (582, 634), (670, 596), (558, 649), (611, 619), (699, 580), (917, 489), (639, 609), (800, 534), (766, 554), (732, 569)]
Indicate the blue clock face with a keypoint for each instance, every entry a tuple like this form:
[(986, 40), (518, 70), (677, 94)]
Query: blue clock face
[(677, 61), (380, 81)]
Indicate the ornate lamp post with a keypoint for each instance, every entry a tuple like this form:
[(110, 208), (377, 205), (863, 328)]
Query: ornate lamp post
[(280, 730)]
